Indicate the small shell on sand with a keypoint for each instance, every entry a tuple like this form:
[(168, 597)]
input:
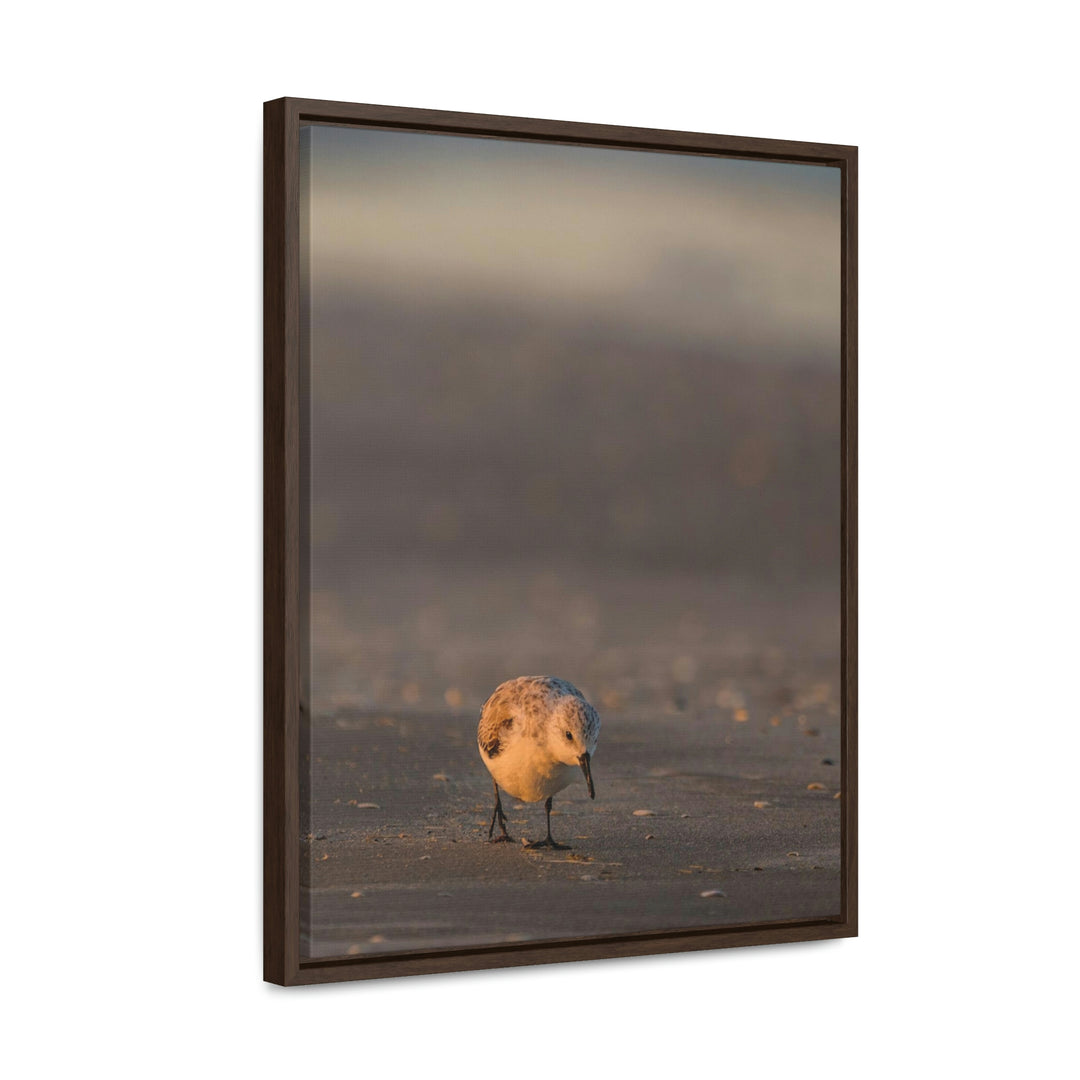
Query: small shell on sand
[(375, 939), (644, 813), (815, 787), (708, 893), (793, 854), (837, 795), (355, 895), (440, 776), (761, 804)]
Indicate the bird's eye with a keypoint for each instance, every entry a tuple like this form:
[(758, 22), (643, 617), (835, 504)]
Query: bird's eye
[(569, 736)]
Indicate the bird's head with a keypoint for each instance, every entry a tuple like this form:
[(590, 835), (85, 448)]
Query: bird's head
[(572, 735)]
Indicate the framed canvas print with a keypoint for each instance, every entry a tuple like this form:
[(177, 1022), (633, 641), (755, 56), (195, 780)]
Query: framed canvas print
[(559, 541)]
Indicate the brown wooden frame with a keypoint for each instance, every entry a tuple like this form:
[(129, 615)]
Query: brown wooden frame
[(281, 541)]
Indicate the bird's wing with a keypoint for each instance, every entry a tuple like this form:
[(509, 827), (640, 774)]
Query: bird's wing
[(493, 730)]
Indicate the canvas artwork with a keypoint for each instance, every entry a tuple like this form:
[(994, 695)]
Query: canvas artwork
[(573, 545), (559, 564)]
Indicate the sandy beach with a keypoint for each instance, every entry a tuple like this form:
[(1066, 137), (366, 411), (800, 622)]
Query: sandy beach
[(711, 785)]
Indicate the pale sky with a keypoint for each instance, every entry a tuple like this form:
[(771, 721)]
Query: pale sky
[(686, 249)]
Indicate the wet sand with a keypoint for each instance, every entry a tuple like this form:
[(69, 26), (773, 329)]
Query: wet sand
[(741, 799)]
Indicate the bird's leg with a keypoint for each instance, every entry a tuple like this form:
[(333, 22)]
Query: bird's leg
[(549, 842), (498, 813)]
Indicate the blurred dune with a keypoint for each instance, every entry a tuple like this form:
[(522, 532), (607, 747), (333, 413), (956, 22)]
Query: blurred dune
[(572, 411), (472, 436)]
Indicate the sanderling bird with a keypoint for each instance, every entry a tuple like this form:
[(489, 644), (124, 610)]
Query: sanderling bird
[(534, 733)]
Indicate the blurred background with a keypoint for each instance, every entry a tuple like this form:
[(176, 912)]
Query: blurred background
[(573, 411)]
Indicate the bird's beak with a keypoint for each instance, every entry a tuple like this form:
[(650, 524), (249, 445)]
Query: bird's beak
[(583, 761)]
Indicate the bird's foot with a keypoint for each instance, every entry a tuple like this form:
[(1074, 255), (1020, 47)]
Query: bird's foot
[(548, 842), (503, 839)]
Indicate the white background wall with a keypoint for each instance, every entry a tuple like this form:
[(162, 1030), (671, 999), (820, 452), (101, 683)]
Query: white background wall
[(131, 537)]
